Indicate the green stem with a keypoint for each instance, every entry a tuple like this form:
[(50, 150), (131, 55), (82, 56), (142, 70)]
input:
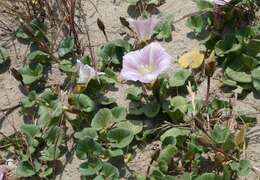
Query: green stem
[(208, 90)]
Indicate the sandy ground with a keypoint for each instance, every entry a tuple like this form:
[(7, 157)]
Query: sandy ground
[(110, 11)]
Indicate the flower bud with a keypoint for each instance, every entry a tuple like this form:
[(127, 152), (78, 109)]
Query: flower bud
[(210, 64)]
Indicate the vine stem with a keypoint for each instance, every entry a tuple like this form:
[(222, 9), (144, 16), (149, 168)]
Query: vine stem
[(145, 91), (208, 90)]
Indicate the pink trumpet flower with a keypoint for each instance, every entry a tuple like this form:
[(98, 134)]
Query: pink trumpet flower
[(86, 73), (145, 65), (2, 175), (143, 28), (221, 2)]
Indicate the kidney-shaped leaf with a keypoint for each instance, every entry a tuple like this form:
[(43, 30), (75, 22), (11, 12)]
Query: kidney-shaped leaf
[(83, 102), (135, 126), (102, 119), (31, 73), (120, 137), (24, 169), (220, 133), (241, 77), (66, 46), (256, 78), (179, 78)]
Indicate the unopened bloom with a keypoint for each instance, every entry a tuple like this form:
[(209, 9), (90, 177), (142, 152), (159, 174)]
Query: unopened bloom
[(145, 65), (86, 73), (221, 2), (143, 28)]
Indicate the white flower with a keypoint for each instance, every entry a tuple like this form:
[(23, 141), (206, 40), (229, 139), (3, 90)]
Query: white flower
[(86, 73), (221, 2)]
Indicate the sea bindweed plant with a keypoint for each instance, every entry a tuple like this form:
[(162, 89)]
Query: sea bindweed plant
[(78, 117)]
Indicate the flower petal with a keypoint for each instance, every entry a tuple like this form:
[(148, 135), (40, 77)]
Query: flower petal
[(143, 28), (221, 2), (86, 72)]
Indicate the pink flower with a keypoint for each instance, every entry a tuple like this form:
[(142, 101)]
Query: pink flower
[(145, 65), (2, 175), (143, 28), (86, 73), (221, 2)]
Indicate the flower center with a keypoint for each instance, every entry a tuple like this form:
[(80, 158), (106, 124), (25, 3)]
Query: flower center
[(146, 69)]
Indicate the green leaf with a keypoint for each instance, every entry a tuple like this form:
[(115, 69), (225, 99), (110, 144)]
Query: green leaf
[(135, 108), (252, 47), (83, 102), (220, 133), (241, 77), (179, 78), (165, 156), (140, 177), (47, 172), (30, 130), (248, 62), (120, 137), (54, 135), (49, 115), (86, 133), (40, 29), (180, 103), (164, 29), (4, 55), (246, 118), (132, 2), (24, 169), (86, 60), (243, 168), (38, 56), (227, 46), (186, 176), (228, 82), (204, 5), (174, 132), (102, 119), (207, 176), (116, 152), (136, 126), (197, 23), (29, 100), (113, 51), (155, 2), (216, 105), (88, 146), (22, 36), (151, 110), (91, 167), (67, 66), (66, 47), (134, 93), (106, 100), (31, 73), (109, 172), (176, 108), (119, 113), (256, 78), (51, 153)]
